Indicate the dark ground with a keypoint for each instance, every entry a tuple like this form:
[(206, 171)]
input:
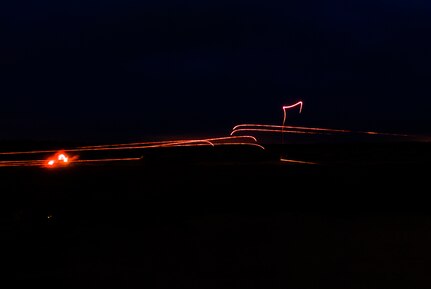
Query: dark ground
[(196, 218)]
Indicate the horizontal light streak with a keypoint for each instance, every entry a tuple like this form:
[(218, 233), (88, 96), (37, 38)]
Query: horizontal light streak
[(297, 162)]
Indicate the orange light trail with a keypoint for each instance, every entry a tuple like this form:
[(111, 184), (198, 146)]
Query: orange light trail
[(108, 160), (297, 162), (60, 158), (139, 145), (128, 144), (28, 152), (274, 130), (243, 144), (387, 134), (22, 163), (302, 129), (288, 127), (144, 144), (171, 142), (51, 163)]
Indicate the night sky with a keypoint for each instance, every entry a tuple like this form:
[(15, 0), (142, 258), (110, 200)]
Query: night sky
[(106, 70)]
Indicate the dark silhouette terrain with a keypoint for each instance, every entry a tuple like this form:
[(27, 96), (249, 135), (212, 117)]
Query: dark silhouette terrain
[(223, 218)]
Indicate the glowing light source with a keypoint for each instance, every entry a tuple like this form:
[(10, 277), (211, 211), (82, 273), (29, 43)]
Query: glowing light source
[(62, 157)]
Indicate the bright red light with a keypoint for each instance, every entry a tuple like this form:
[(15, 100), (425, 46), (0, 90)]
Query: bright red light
[(59, 158), (63, 158)]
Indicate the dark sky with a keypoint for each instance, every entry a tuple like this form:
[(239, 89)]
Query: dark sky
[(105, 69)]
